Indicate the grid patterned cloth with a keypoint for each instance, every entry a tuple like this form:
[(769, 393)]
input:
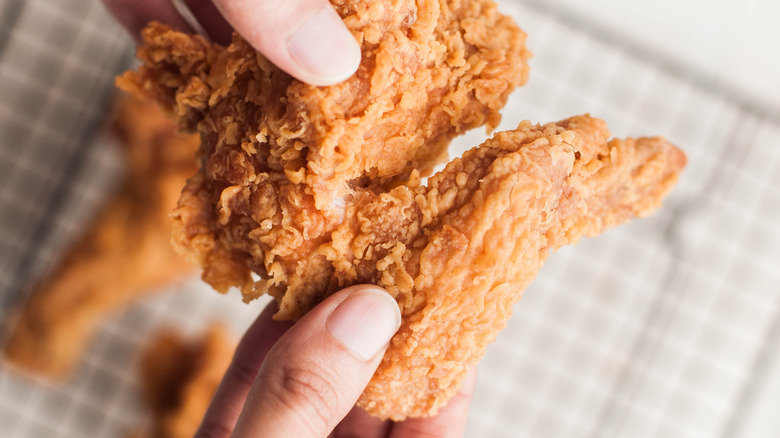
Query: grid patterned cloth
[(664, 327), (57, 62)]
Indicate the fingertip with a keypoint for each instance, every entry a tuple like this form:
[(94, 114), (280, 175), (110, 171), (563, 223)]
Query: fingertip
[(379, 291), (365, 321), (305, 38), (323, 49)]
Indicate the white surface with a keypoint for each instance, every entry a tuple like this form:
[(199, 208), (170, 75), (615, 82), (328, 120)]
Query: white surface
[(734, 42), (764, 420)]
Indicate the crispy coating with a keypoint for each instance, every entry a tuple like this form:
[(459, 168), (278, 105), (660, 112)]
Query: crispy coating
[(456, 253), (281, 158), (179, 378), (125, 254)]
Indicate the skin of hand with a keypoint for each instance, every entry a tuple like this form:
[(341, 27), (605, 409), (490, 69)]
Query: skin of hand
[(303, 380), (305, 38)]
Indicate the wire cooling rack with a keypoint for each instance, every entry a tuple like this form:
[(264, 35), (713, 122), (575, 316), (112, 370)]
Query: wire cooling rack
[(665, 327)]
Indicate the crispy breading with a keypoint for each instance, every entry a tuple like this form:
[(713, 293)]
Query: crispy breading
[(125, 254), (311, 195), (281, 158), (459, 252)]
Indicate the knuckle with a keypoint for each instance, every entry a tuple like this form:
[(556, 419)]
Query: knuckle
[(243, 373), (306, 387)]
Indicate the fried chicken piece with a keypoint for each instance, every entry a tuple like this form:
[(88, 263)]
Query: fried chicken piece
[(179, 378), (456, 253), (285, 157), (125, 254)]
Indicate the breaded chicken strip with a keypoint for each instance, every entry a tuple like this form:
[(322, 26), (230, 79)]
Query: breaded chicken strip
[(125, 254), (458, 253)]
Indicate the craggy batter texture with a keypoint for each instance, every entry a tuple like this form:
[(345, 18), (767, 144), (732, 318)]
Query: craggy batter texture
[(458, 253), (282, 159), (179, 377), (125, 254), (317, 188)]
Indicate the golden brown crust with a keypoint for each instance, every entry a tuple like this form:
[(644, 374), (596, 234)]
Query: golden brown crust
[(125, 254), (312, 201), (458, 253), (280, 158)]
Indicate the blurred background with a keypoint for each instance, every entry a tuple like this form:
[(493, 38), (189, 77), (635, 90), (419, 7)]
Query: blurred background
[(669, 326)]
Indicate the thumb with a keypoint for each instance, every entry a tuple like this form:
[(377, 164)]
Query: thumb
[(314, 374), (305, 38)]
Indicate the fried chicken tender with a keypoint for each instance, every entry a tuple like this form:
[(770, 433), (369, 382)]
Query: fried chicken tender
[(283, 158), (312, 196), (179, 378), (458, 253), (125, 254)]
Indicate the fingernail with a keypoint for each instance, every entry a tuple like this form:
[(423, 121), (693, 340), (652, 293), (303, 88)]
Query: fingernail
[(324, 47), (365, 322)]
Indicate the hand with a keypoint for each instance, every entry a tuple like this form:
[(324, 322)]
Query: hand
[(301, 380), (305, 38)]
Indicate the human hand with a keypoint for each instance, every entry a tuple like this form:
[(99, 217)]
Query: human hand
[(305, 38), (303, 380)]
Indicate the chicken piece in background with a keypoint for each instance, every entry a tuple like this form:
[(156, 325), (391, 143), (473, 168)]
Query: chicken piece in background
[(179, 378), (124, 255)]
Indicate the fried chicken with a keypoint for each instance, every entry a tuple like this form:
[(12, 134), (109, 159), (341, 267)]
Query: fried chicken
[(286, 157), (179, 378), (458, 253), (318, 188), (125, 254)]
